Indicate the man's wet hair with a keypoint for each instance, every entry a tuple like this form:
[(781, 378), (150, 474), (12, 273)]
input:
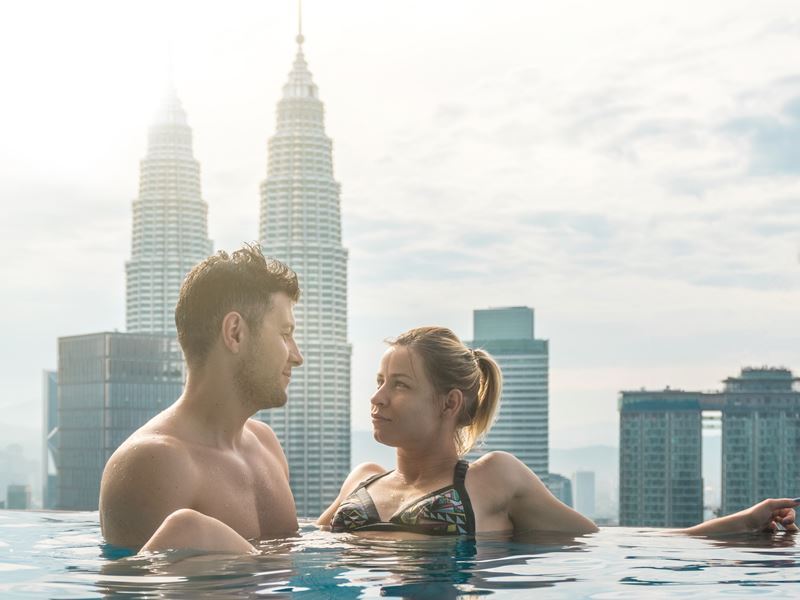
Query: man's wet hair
[(243, 281)]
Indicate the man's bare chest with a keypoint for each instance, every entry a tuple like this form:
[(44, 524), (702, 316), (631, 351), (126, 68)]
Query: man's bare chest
[(249, 492)]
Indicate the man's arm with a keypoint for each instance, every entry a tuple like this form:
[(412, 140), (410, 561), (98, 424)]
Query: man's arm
[(144, 482)]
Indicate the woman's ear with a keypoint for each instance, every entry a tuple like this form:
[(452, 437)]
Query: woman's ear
[(453, 403)]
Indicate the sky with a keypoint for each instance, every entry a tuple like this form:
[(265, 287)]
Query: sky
[(631, 170)]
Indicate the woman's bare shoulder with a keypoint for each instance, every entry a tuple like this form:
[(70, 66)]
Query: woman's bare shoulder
[(499, 468), (497, 460)]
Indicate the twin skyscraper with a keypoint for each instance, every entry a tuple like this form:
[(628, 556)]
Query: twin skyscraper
[(110, 383)]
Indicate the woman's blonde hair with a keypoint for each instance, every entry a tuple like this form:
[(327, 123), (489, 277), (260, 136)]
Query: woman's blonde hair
[(450, 365)]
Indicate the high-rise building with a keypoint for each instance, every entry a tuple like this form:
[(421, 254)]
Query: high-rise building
[(16, 469), (522, 422), (584, 486), (50, 441), (301, 225), (561, 487), (18, 497), (660, 459), (661, 447), (170, 232), (760, 437), (109, 385)]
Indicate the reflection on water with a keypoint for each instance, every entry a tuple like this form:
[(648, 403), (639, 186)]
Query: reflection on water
[(61, 555)]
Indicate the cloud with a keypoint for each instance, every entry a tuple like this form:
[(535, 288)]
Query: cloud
[(774, 141), (634, 178)]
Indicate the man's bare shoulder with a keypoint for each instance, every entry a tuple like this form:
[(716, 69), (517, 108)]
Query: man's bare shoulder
[(264, 433), (143, 460), (147, 478), (146, 446)]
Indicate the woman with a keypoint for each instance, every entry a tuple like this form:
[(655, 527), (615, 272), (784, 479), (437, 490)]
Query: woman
[(435, 398)]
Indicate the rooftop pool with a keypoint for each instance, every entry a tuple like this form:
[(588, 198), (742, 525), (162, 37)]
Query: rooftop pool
[(62, 555)]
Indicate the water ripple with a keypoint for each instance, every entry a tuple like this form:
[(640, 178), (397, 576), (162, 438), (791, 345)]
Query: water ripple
[(62, 555)]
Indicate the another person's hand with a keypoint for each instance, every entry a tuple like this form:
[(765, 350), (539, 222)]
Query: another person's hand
[(768, 514), (772, 514)]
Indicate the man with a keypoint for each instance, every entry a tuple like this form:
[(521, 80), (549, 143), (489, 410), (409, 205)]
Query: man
[(235, 325)]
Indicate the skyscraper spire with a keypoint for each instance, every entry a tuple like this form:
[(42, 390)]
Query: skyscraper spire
[(170, 67), (300, 39), (301, 225), (170, 232)]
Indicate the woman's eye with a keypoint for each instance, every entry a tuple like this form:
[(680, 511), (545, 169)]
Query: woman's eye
[(399, 384)]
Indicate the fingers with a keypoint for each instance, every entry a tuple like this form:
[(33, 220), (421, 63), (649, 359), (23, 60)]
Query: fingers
[(783, 519), (778, 503)]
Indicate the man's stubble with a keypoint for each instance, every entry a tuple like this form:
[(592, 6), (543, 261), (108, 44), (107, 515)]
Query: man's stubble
[(258, 389)]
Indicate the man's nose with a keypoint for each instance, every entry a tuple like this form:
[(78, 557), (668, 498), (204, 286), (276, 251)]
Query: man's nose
[(295, 357)]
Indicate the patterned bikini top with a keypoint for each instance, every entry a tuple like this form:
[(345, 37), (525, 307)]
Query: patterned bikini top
[(446, 511)]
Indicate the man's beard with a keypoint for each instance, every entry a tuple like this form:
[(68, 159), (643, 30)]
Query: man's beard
[(256, 388)]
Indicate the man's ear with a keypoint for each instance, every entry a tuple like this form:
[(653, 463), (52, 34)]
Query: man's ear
[(233, 331), (453, 403)]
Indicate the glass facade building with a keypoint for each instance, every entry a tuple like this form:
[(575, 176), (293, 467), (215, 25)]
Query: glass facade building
[(522, 421), (50, 440), (561, 487), (109, 385), (584, 488), (660, 459), (301, 225), (18, 497), (760, 437), (661, 447), (170, 232)]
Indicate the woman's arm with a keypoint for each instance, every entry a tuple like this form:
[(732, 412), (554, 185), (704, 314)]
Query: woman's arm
[(531, 506), (357, 475), (766, 515)]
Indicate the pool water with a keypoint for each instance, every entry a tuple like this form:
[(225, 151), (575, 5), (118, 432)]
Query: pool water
[(62, 555)]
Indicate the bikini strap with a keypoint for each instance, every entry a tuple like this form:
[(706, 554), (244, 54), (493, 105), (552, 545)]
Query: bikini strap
[(369, 480), (459, 478), (460, 473)]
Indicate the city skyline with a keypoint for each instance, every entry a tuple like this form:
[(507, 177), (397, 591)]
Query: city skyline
[(654, 230)]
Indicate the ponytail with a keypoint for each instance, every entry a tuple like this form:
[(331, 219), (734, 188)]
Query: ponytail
[(484, 408)]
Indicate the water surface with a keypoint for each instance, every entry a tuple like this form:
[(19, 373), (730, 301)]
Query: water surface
[(61, 555)]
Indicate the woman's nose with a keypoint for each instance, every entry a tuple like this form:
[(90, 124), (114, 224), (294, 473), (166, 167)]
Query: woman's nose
[(378, 397)]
